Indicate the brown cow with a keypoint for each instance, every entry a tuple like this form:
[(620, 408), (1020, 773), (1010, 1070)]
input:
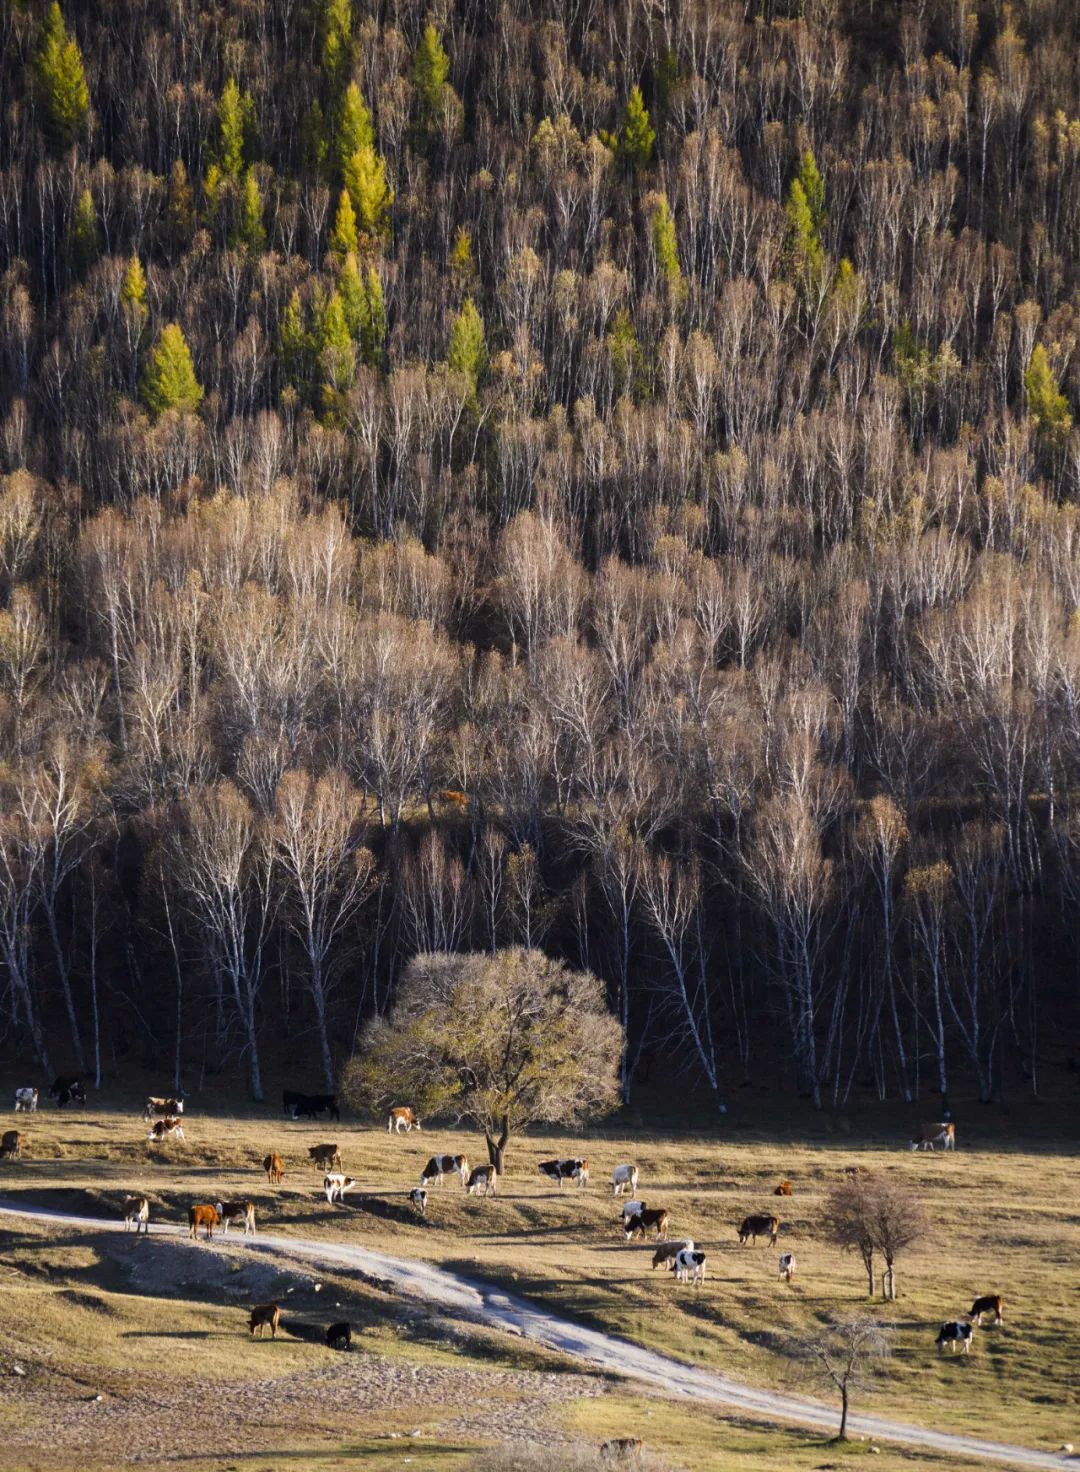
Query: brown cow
[(11, 1143), (621, 1449), (202, 1216), (644, 1219), (483, 1177), (990, 1303), (754, 1227), (274, 1167), (325, 1157), (668, 1250), (402, 1118), (161, 1131), (263, 1314), (783, 1189), (155, 1105)]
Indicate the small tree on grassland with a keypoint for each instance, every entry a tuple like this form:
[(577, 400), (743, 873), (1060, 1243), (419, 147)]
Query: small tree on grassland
[(844, 1355), (871, 1214), (505, 1040)]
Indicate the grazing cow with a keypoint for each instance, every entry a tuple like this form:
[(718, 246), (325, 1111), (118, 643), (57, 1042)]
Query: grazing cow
[(622, 1177), (754, 1227), (335, 1185), (155, 1106), (565, 1170), (137, 1210), (339, 1336), (990, 1303), (418, 1198), (67, 1091), (783, 1189), (483, 1175), (621, 1449), (955, 1333), (787, 1266), (647, 1217), (26, 1101), (669, 1250), (11, 1143), (164, 1128), (689, 1264), (326, 1157), (440, 1165), (931, 1135), (238, 1213), (631, 1208), (262, 1315), (400, 1119), (202, 1216), (274, 1167), (307, 1106)]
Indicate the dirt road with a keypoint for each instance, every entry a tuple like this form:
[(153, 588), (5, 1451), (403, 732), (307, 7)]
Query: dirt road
[(615, 1356)]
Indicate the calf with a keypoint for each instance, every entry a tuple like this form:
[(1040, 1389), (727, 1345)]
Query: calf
[(137, 1210), (689, 1264), (274, 1167), (565, 1170), (238, 1212), (26, 1101), (787, 1266), (440, 1165), (621, 1449), (11, 1143), (202, 1216), (67, 1091), (647, 1217), (335, 1185), (668, 1250), (485, 1176), (990, 1303), (418, 1198), (754, 1227), (326, 1157), (783, 1189), (402, 1118), (262, 1315), (307, 1106), (163, 1129), (339, 1336), (622, 1177), (154, 1106), (931, 1135), (955, 1333)]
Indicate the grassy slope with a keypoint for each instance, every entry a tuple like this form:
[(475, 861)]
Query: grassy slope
[(1004, 1214)]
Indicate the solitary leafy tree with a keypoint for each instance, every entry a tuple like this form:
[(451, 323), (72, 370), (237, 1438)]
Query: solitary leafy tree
[(169, 381), (61, 81), (843, 1355), (505, 1040), (371, 196), (430, 73), (1047, 405), (467, 354), (637, 135)]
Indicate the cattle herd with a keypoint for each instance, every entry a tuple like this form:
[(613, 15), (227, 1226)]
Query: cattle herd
[(637, 1219)]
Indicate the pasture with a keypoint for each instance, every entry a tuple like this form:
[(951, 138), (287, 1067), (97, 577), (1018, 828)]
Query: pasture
[(1003, 1211)]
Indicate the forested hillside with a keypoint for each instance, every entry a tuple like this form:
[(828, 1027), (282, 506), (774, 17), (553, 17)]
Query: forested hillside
[(597, 476)]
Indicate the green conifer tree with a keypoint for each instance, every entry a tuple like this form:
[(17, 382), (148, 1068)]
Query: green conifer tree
[(169, 380), (373, 329), (365, 179), (813, 187), (250, 232), (637, 136), (430, 73), (294, 345), (135, 312), (84, 239), (355, 127), (313, 141), (343, 239), (1047, 405), (236, 128), (336, 30), (665, 245), (336, 351), (61, 82), (179, 209), (467, 353), (805, 251)]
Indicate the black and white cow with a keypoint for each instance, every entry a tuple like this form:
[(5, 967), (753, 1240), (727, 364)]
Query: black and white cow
[(67, 1091), (689, 1266), (565, 1170), (953, 1333), (444, 1165), (26, 1101)]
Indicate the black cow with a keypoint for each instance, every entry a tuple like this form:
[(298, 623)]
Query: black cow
[(308, 1106), (339, 1336), (67, 1091)]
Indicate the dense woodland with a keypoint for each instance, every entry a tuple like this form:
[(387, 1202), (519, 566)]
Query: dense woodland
[(591, 476)]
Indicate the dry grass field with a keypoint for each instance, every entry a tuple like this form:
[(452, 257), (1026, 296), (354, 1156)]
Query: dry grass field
[(106, 1314)]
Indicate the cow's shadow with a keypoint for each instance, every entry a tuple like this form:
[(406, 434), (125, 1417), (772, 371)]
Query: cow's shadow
[(178, 1334)]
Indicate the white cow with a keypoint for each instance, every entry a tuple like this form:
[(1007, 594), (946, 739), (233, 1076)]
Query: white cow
[(629, 1209), (335, 1184), (26, 1101), (624, 1176), (418, 1198), (787, 1266), (137, 1210)]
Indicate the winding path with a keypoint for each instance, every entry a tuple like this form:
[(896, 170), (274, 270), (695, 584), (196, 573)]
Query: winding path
[(506, 1311)]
